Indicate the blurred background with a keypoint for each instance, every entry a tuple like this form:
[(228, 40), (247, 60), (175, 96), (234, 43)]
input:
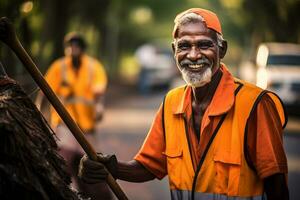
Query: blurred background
[(263, 38)]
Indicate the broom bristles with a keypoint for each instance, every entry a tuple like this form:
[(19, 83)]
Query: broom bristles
[(30, 163)]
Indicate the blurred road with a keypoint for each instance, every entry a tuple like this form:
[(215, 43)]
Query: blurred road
[(291, 144), (127, 120)]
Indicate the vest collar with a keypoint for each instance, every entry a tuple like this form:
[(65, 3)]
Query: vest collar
[(222, 100)]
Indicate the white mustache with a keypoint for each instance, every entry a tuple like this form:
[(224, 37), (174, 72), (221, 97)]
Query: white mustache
[(197, 62)]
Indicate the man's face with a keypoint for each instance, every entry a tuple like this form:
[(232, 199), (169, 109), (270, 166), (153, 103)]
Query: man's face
[(73, 50), (196, 53)]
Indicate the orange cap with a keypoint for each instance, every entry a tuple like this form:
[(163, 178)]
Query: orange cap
[(210, 19)]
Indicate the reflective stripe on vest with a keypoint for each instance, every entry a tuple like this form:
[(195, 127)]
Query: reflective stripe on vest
[(187, 195), (74, 100)]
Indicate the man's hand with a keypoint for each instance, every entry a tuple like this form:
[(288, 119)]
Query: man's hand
[(96, 171), (99, 112), (99, 108)]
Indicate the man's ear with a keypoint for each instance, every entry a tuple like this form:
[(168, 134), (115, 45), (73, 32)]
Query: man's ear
[(173, 46), (223, 49)]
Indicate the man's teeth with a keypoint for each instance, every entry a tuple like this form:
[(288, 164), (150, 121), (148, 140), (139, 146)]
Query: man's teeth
[(197, 66)]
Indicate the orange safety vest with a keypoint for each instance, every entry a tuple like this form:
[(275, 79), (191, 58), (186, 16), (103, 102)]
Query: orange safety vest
[(77, 92), (223, 170)]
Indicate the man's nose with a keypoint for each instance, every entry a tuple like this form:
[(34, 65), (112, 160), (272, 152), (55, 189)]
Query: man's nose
[(194, 54)]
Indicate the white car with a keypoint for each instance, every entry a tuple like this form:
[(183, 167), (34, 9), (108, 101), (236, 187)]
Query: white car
[(157, 66), (279, 71)]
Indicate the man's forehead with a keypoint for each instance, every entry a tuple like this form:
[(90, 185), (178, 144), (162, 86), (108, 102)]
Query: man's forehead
[(197, 29)]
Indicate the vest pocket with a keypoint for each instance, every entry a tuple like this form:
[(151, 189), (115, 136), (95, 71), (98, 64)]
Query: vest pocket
[(226, 168), (173, 153), (174, 166), (227, 158)]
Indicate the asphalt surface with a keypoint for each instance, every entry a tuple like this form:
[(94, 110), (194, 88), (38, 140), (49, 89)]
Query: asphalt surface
[(126, 121), (125, 125), (291, 144)]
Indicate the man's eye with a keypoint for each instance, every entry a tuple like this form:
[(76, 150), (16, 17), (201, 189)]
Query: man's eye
[(183, 46), (205, 44)]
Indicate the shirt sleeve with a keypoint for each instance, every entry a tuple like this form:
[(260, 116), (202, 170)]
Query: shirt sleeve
[(53, 75), (265, 140), (100, 78), (150, 155)]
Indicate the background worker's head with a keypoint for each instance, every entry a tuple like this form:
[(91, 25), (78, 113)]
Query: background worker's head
[(198, 45), (75, 46)]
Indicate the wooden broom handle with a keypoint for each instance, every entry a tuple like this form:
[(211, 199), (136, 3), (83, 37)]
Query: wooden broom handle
[(9, 37)]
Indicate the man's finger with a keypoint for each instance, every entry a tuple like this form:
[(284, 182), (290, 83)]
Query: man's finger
[(93, 165), (92, 176), (91, 173), (93, 180)]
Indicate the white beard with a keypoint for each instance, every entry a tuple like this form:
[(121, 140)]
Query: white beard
[(195, 79)]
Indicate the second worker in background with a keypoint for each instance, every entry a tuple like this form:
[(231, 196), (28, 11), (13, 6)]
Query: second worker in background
[(80, 82)]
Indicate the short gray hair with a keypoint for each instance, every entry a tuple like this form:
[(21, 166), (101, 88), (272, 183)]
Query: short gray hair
[(194, 18), (188, 18)]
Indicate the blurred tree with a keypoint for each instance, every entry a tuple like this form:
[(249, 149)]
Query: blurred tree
[(272, 20), (8, 9), (116, 27), (55, 17)]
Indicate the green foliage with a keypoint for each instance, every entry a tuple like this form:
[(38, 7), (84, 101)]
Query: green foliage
[(116, 27), (275, 20)]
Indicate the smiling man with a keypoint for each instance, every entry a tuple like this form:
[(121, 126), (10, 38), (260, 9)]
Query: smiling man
[(217, 137)]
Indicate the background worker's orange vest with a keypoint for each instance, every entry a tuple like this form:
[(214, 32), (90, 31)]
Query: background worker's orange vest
[(77, 90), (223, 171)]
